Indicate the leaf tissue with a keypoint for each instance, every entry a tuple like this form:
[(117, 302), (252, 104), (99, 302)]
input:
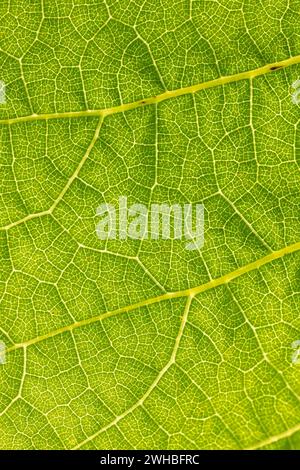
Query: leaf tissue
[(133, 341)]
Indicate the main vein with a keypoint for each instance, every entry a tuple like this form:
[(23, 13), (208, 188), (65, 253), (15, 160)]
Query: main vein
[(169, 295), (250, 74)]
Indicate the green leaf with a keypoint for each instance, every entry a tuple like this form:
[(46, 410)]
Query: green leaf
[(142, 343)]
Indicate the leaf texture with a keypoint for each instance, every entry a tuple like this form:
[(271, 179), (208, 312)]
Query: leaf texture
[(142, 344)]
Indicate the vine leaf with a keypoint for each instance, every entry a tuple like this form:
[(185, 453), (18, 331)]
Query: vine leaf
[(142, 343)]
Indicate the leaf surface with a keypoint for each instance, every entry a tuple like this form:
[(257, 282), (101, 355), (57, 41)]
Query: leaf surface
[(142, 343)]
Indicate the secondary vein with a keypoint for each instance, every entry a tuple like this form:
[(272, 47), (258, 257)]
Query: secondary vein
[(169, 295), (250, 74)]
